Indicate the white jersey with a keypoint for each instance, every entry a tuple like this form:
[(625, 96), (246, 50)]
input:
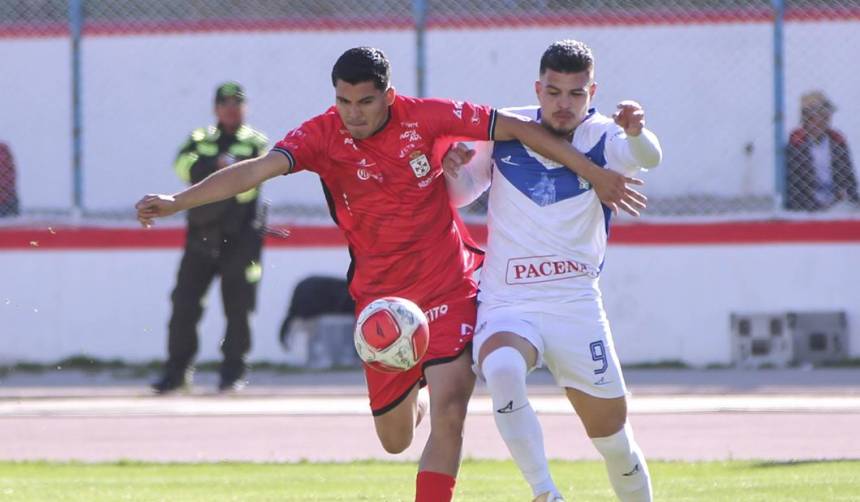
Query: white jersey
[(547, 227)]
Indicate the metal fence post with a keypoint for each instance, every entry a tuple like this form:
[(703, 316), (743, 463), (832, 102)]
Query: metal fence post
[(76, 21), (779, 100), (419, 12)]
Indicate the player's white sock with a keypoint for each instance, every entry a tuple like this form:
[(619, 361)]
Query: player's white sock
[(628, 472), (505, 371)]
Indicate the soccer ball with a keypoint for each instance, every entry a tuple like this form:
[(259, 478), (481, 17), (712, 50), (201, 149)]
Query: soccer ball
[(391, 334)]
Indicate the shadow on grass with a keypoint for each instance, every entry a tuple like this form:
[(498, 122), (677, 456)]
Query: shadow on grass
[(793, 463)]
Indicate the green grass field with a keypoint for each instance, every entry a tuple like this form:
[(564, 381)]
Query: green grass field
[(380, 481)]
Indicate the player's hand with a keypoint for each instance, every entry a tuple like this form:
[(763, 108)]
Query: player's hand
[(457, 156), (154, 206), (613, 190), (630, 116)]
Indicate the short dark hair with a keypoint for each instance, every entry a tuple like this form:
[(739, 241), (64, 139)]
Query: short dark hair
[(567, 56), (362, 64)]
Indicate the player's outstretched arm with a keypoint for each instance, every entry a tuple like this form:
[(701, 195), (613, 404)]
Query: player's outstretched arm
[(611, 187), (643, 147), (220, 185)]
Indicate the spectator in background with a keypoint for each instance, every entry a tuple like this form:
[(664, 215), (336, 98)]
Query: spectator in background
[(8, 192), (225, 239), (819, 171)]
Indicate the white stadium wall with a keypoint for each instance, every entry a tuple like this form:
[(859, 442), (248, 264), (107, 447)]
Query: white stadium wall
[(116, 303), (673, 302), (665, 302), (35, 118), (707, 89), (287, 79)]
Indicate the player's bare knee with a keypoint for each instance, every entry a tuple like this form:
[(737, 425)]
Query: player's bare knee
[(395, 442), (607, 426), (395, 428), (395, 445), (603, 418)]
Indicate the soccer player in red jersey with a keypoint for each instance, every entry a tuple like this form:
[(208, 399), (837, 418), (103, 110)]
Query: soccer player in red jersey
[(378, 156)]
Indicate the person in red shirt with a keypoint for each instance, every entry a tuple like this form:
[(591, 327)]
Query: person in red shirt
[(8, 192), (378, 155)]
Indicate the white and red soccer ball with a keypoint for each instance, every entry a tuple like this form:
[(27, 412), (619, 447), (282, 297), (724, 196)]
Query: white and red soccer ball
[(391, 334)]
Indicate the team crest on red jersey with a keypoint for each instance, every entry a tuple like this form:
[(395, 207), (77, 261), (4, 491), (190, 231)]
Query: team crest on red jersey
[(420, 164)]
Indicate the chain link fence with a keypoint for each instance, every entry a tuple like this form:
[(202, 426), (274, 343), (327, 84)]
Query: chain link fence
[(721, 82)]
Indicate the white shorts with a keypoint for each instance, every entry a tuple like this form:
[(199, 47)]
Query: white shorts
[(572, 339)]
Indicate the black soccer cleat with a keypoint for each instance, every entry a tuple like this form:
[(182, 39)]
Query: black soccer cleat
[(227, 385), (173, 381), (233, 377)]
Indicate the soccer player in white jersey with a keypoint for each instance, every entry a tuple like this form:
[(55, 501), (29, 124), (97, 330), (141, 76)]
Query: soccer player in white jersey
[(539, 301)]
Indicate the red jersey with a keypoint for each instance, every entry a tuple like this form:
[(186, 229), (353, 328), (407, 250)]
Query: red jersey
[(7, 175), (405, 238)]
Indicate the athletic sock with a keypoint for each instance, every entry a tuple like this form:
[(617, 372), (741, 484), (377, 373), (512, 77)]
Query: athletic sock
[(625, 464), (505, 371), (434, 487)]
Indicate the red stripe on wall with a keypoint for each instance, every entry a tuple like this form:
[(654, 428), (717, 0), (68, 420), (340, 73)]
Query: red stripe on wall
[(480, 21), (762, 232), (88, 238), (152, 238)]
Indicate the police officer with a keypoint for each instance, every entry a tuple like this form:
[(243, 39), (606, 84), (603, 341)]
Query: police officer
[(223, 238)]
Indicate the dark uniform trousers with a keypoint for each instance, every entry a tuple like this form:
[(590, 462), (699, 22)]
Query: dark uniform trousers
[(233, 260)]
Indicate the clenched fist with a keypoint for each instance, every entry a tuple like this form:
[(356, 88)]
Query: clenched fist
[(630, 116), (155, 206)]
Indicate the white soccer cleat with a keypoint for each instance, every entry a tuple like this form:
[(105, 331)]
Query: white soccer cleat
[(423, 405), (549, 497)]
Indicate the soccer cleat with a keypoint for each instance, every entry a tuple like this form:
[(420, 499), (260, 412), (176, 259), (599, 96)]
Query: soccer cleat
[(549, 497), (232, 377), (227, 385), (173, 381)]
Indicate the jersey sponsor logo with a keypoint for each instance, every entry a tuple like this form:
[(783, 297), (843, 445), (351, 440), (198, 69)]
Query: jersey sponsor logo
[(406, 149), (365, 174), (411, 135), (476, 116), (420, 164), (533, 269), (458, 109), (409, 125), (436, 312), (425, 182), (350, 142)]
